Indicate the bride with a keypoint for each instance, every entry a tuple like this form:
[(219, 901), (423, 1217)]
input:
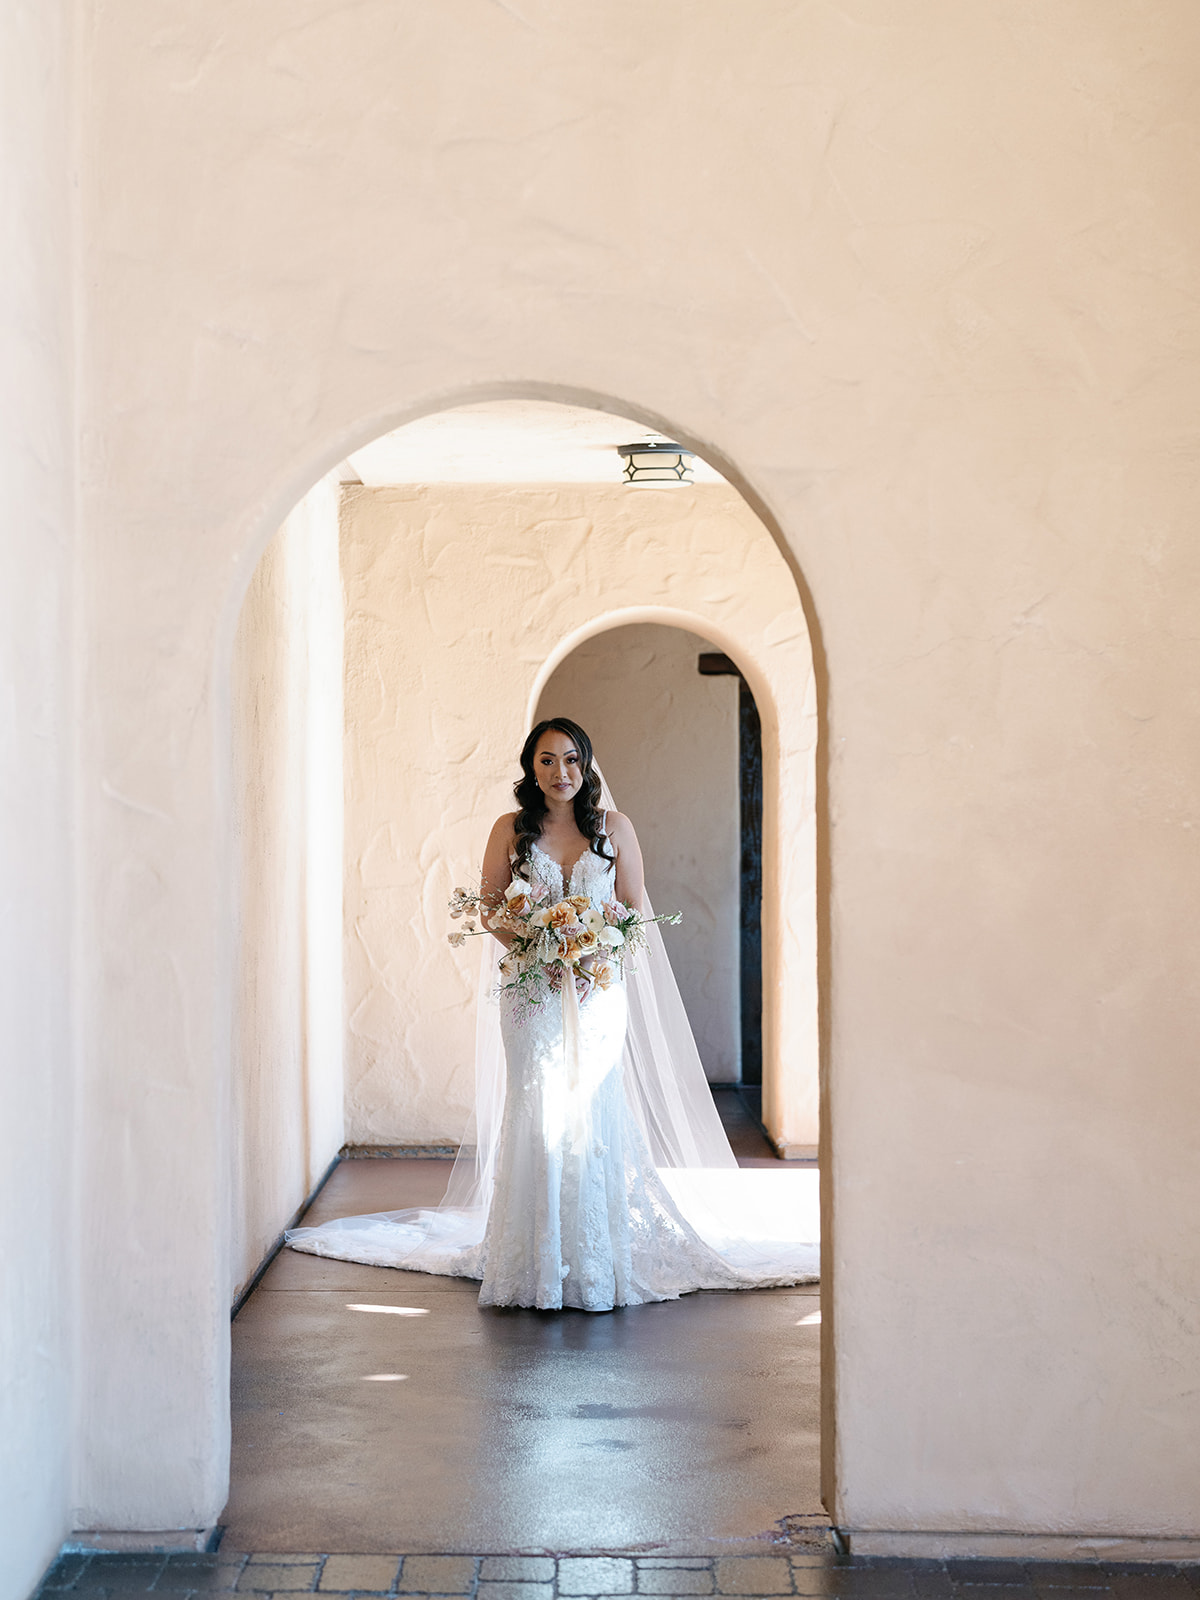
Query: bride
[(598, 1175)]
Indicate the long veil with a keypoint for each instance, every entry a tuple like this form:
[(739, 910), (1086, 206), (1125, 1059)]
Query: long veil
[(759, 1224)]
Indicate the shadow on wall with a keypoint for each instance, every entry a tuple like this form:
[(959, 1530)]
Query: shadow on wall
[(287, 1086)]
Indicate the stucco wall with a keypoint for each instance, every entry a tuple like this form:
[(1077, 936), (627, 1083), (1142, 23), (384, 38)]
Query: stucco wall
[(37, 654), (927, 286), (287, 1087), (459, 603), (668, 743)]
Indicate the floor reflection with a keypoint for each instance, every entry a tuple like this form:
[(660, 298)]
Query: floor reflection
[(664, 1426)]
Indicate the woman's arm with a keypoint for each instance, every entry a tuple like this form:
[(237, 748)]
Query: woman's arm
[(497, 872), (631, 883)]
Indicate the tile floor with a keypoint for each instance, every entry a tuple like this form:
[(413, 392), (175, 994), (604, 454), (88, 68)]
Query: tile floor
[(810, 1572)]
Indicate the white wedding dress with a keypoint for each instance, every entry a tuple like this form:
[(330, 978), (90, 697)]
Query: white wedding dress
[(576, 1213)]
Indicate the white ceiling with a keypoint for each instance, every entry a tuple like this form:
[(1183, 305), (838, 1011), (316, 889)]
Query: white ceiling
[(505, 441)]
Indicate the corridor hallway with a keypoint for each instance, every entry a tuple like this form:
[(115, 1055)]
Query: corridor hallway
[(382, 1411)]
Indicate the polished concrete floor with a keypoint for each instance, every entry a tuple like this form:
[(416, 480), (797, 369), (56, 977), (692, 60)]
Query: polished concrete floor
[(381, 1411)]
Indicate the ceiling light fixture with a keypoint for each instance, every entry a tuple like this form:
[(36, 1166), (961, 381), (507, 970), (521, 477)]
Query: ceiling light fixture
[(656, 461)]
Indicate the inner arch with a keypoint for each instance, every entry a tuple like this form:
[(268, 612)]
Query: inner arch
[(671, 740)]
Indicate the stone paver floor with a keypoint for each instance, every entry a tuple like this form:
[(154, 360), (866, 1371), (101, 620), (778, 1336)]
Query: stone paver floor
[(812, 1572)]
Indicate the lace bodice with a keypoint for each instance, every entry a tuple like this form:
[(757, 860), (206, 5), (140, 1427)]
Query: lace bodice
[(591, 874)]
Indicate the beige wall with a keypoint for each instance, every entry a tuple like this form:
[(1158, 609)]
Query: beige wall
[(460, 603), (37, 863), (287, 1087), (668, 743), (927, 286)]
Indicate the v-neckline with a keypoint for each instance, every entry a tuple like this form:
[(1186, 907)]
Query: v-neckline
[(563, 872)]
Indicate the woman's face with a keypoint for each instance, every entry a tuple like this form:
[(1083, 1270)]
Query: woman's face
[(557, 767)]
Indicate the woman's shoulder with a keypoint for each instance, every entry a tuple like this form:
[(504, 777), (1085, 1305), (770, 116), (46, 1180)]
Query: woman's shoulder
[(505, 827), (618, 826)]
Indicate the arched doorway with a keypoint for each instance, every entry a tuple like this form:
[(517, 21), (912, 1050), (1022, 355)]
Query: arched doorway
[(462, 599)]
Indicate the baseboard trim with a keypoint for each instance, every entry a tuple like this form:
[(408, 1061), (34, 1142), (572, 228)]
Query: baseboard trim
[(398, 1152), (253, 1281), (940, 1546), (120, 1541), (795, 1152)]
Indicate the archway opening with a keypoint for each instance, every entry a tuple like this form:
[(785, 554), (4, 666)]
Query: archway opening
[(461, 593)]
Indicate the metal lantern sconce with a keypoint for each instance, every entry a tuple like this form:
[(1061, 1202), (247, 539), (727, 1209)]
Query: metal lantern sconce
[(656, 461)]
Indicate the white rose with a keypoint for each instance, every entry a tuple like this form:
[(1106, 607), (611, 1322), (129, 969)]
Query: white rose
[(612, 937), (541, 918), (593, 920), (516, 887)]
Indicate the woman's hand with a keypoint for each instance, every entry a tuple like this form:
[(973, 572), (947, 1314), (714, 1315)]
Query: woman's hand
[(504, 935)]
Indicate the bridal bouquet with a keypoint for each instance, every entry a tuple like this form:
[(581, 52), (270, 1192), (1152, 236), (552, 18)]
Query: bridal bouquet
[(554, 938)]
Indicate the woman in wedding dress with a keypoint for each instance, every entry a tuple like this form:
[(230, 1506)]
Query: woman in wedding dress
[(598, 1173)]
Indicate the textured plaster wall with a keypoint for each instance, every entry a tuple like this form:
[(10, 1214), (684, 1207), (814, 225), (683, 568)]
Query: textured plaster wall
[(927, 284), (668, 742), (287, 1090), (36, 749), (459, 602)]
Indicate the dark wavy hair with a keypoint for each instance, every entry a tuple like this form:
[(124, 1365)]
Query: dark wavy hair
[(532, 802)]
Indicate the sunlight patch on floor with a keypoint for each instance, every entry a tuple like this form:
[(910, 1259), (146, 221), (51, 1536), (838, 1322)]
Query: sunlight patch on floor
[(392, 1311)]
